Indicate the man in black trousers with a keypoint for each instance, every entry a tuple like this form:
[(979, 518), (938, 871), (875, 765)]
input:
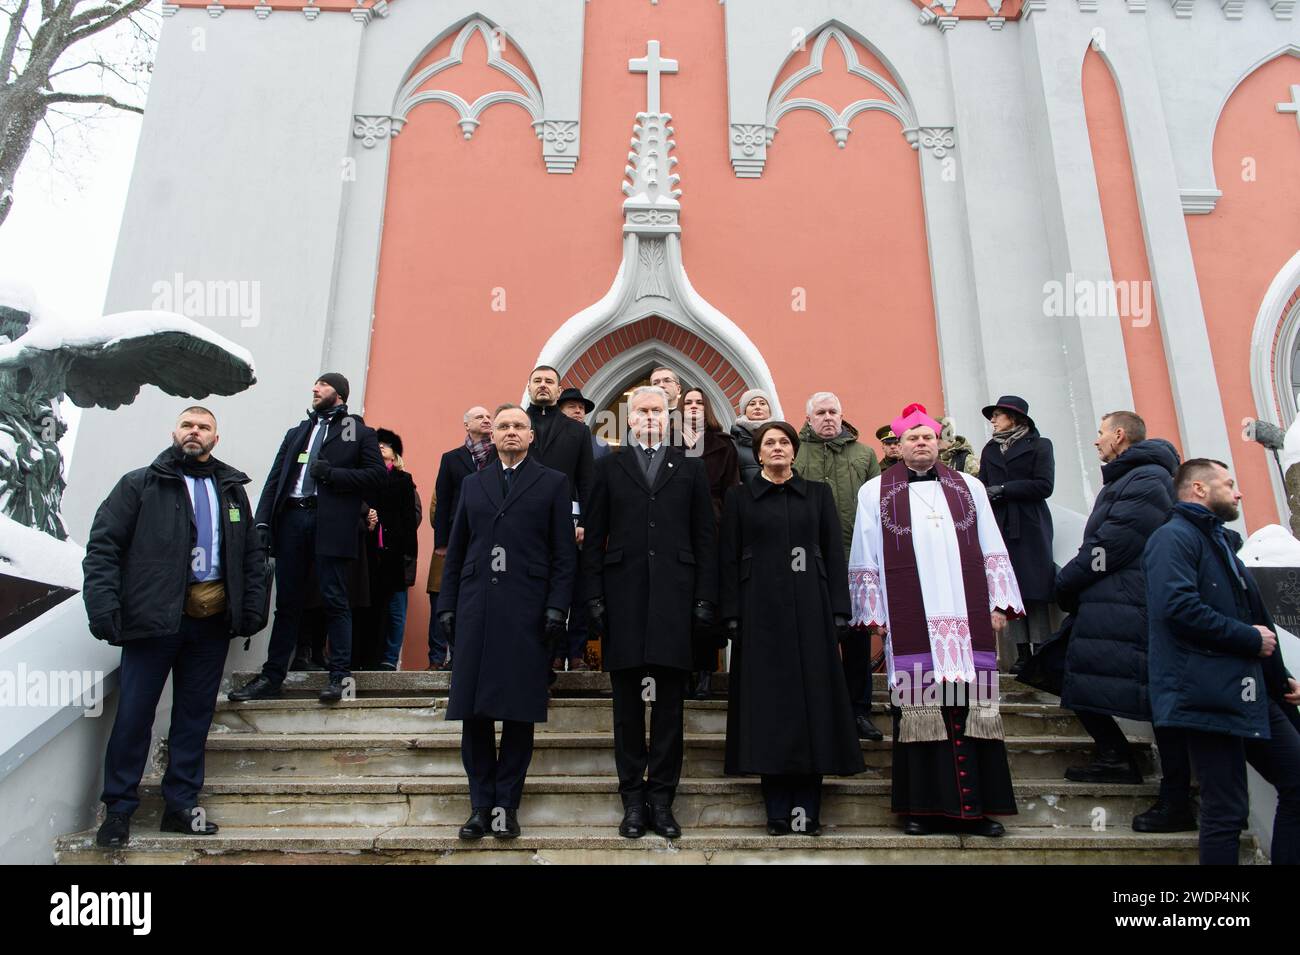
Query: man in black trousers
[(309, 510), (173, 570), (506, 586), (650, 568)]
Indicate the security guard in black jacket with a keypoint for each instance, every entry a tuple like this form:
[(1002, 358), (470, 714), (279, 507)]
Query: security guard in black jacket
[(173, 570), (310, 509)]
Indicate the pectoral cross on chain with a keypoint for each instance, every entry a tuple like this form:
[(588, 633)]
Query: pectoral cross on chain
[(935, 517)]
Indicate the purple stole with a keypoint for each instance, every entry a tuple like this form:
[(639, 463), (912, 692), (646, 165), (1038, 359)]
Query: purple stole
[(917, 693)]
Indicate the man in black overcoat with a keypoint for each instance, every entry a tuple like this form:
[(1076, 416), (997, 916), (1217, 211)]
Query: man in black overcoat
[(506, 586), (310, 510), (650, 568)]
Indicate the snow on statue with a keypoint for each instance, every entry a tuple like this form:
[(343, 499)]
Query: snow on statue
[(102, 363)]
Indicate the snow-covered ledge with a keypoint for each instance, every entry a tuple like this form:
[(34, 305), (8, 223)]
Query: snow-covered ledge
[(55, 717)]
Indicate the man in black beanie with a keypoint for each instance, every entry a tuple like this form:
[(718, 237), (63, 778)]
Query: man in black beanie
[(311, 513)]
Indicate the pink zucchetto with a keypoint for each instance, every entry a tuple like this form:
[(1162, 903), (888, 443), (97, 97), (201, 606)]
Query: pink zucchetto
[(913, 416)]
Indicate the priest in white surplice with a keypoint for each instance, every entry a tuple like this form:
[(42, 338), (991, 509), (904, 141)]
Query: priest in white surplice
[(928, 567)]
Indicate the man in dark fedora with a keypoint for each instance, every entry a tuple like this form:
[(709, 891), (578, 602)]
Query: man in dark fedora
[(1018, 468), (573, 404), (309, 512)]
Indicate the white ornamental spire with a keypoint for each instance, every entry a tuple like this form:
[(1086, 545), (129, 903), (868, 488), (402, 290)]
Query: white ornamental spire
[(651, 207)]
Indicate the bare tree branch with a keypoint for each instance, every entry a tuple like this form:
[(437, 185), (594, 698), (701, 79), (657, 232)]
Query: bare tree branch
[(32, 48), (11, 40), (101, 98)]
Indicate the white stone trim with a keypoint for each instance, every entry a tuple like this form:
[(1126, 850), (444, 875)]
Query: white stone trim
[(1200, 202), (528, 96), (895, 105), (680, 304), (1271, 403)]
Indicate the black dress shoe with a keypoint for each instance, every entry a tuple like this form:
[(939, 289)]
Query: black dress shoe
[(703, 685), (663, 822), (868, 730), (987, 827), (115, 832), (477, 825), (811, 827), (916, 826), (633, 825), (511, 828), (258, 688), (1166, 817), (192, 822), (333, 692), (1106, 768), (778, 827)]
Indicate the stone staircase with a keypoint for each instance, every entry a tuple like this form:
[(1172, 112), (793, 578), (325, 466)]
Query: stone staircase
[(379, 780)]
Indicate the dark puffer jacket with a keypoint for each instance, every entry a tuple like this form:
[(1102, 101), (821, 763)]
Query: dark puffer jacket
[(745, 455), (1106, 665)]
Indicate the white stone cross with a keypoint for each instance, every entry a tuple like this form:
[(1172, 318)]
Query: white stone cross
[(1293, 106), (653, 67)]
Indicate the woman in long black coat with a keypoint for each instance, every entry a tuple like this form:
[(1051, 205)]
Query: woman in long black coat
[(1019, 470), (785, 599)]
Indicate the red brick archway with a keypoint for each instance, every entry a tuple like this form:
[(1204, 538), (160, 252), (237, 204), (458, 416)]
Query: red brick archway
[(673, 336)]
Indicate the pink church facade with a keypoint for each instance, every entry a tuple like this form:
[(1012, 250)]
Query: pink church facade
[(1094, 204)]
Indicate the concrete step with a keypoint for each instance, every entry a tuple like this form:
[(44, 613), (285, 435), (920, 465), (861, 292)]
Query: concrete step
[(582, 683), (232, 754), (602, 845), (593, 801), (425, 714)]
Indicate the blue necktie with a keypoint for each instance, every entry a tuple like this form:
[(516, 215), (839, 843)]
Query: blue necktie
[(201, 568), (309, 482)]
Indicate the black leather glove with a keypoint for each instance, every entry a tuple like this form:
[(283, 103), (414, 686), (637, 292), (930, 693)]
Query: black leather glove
[(995, 492), (842, 629), (732, 629), (447, 623), (108, 627), (596, 621), (553, 629), (703, 614), (1068, 602), (320, 471)]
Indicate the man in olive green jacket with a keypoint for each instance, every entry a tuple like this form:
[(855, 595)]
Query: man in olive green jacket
[(829, 450)]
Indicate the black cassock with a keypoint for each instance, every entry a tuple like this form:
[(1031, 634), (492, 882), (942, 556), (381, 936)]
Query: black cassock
[(961, 778), (784, 577)]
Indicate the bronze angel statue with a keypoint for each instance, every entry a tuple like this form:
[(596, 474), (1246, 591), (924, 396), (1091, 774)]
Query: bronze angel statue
[(103, 364)]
